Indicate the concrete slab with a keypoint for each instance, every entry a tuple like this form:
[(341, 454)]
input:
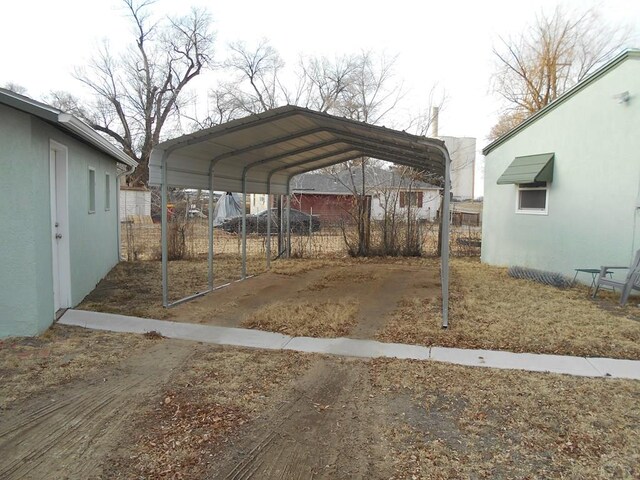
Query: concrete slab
[(184, 331), (591, 367), (350, 347), (617, 368), (518, 361)]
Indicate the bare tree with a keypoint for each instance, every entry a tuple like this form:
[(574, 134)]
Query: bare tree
[(554, 54), (255, 84), (507, 122), (369, 97), (15, 88), (137, 94), (324, 82)]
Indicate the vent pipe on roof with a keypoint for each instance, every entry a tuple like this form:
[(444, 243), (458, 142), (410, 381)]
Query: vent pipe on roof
[(434, 121)]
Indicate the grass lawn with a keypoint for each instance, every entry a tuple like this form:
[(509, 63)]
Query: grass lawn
[(491, 310)]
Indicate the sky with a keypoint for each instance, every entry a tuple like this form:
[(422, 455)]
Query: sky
[(443, 43)]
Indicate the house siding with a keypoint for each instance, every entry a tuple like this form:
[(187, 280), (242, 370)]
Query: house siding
[(593, 204), (26, 278)]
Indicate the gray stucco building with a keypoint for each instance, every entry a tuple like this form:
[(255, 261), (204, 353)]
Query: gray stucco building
[(562, 190), (58, 215)]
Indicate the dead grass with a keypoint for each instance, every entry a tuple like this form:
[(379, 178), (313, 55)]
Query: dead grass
[(491, 310), (306, 319), (32, 365), (214, 394), (461, 422)]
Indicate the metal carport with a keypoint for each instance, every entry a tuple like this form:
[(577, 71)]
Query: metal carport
[(261, 153)]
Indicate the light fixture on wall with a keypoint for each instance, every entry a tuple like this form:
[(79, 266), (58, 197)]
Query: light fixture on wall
[(623, 97)]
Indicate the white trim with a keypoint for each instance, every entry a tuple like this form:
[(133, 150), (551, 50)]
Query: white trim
[(92, 137), (532, 211), (66, 122), (59, 207), (91, 186)]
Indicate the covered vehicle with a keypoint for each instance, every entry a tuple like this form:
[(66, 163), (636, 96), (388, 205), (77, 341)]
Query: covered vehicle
[(301, 222), (228, 206)]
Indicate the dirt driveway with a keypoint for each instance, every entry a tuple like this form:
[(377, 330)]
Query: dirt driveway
[(176, 410), (165, 409), (366, 294)]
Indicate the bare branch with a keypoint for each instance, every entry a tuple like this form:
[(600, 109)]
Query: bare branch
[(554, 54)]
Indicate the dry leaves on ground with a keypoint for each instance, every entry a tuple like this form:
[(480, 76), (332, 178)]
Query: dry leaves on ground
[(215, 393), (457, 422), (33, 364)]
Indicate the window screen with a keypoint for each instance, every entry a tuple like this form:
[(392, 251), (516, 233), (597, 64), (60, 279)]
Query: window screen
[(533, 199)]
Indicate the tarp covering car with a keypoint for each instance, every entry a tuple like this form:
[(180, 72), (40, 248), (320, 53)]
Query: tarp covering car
[(229, 205)]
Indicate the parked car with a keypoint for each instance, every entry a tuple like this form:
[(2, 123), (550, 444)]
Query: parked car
[(300, 222)]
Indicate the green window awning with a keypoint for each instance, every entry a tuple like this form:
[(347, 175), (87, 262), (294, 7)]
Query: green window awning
[(529, 169)]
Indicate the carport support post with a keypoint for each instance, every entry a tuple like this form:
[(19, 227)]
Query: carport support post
[(210, 257), (445, 240), (288, 238), (244, 225), (164, 233), (268, 224)]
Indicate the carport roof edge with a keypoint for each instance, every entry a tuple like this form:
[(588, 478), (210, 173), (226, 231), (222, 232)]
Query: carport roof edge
[(269, 148)]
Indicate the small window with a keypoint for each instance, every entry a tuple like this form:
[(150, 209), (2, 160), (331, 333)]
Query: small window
[(413, 199), (107, 192), (532, 198), (92, 190)]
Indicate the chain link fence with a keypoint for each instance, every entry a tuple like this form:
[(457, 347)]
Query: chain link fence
[(311, 236), (314, 236)]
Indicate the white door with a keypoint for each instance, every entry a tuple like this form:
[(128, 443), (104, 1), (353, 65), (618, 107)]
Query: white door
[(60, 226)]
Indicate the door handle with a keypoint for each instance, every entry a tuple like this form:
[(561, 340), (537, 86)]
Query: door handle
[(58, 236)]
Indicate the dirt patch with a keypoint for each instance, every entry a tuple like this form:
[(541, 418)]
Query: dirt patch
[(491, 310), (62, 354), (328, 426), (171, 409), (461, 422), (67, 431), (217, 391)]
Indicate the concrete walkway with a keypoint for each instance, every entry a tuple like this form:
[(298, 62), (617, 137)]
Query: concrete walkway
[(533, 362)]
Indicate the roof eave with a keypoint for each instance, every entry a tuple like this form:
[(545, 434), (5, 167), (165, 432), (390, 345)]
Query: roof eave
[(28, 105), (89, 135)]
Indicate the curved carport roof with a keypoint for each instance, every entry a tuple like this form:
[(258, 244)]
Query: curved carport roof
[(262, 152), (269, 148)]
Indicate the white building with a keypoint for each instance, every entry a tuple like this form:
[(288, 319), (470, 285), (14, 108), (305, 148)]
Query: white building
[(462, 151), (134, 201)]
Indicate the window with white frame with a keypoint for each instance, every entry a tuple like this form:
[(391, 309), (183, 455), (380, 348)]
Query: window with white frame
[(107, 192), (92, 190), (532, 198)]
